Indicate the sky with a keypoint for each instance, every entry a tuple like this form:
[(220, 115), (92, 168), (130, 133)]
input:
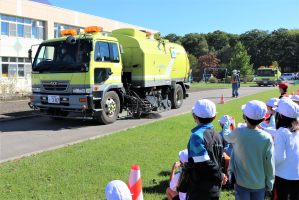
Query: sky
[(193, 16)]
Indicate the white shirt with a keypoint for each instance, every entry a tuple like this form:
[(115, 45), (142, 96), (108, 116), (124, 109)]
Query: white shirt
[(286, 145), (174, 182)]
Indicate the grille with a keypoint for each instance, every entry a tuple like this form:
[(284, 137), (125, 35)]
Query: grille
[(55, 85)]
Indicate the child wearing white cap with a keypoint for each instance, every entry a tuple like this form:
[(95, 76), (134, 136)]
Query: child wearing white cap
[(286, 141), (171, 191), (295, 98), (227, 147), (269, 122), (205, 152), (252, 161), (117, 190)]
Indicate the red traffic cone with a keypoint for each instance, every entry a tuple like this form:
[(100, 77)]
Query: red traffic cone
[(135, 184), (221, 100)]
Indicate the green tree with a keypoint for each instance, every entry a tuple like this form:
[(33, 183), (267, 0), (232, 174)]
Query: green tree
[(195, 44), (217, 40), (240, 60), (172, 37), (255, 42), (194, 66)]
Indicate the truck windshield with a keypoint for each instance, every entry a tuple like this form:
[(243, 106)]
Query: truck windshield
[(63, 57), (265, 72)]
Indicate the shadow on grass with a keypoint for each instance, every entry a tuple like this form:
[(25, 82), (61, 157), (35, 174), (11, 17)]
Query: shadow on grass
[(164, 173), (157, 187)]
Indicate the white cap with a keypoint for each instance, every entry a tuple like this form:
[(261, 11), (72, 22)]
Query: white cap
[(117, 190), (235, 71), (288, 108), (223, 119), (183, 156), (204, 108), (255, 109), (272, 102), (295, 98)]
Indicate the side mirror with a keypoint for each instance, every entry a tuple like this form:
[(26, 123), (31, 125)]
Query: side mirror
[(30, 54)]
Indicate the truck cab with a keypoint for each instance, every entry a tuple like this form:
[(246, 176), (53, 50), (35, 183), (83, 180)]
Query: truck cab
[(88, 76), (267, 76)]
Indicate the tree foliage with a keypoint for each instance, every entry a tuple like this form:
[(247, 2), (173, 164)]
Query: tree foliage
[(240, 60), (208, 60), (246, 51)]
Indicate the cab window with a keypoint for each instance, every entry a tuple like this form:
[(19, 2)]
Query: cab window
[(106, 52), (102, 52), (114, 52)]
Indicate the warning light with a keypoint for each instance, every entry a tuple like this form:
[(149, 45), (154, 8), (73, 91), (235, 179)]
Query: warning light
[(93, 29), (68, 32)]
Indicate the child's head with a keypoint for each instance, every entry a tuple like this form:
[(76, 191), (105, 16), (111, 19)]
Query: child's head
[(271, 105), (204, 111), (283, 87), (254, 112), (295, 98), (117, 190), (287, 114), (223, 120)]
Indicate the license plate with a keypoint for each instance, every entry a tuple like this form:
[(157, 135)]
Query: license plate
[(53, 99), (265, 82)]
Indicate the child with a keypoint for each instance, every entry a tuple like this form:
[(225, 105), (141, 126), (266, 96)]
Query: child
[(205, 151), (270, 119), (283, 88), (171, 191), (287, 151), (117, 190), (252, 161), (295, 98), (227, 147)]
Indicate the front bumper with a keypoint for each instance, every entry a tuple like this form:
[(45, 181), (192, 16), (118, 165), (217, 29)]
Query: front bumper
[(75, 103)]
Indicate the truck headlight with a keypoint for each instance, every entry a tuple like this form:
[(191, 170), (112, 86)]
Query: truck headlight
[(35, 89), (78, 90)]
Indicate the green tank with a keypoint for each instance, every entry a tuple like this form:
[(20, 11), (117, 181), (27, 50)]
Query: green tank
[(151, 62)]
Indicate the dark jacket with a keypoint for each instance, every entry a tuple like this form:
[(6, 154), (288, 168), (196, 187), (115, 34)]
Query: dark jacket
[(206, 177)]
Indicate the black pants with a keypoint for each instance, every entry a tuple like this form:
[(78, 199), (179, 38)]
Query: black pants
[(286, 188), (202, 194)]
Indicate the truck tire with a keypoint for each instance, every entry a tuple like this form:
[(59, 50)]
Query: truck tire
[(177, 97), (111, 107)]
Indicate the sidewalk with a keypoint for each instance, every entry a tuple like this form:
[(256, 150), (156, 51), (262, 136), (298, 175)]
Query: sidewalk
[(14, 109)]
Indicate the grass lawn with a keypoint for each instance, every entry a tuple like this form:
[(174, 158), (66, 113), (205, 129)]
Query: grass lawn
[(82, 171), (202, 85)]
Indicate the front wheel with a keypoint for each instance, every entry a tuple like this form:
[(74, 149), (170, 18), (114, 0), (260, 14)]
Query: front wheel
[(111, 107), (177, 97)]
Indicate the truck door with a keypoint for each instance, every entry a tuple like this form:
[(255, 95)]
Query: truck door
[(106, 63)]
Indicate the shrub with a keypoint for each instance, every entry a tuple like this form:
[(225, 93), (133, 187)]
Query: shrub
[(247, 78), (228, 79), (213, 80)]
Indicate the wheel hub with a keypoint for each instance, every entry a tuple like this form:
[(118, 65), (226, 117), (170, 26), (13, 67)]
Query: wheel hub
[(110, 107)]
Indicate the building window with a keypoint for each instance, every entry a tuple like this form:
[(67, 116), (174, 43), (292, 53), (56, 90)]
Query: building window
[(22, 27), (4, 28), (20, 30), (13, 67), (4, 70), (20, 70)]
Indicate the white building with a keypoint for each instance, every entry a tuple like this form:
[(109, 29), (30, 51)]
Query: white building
[(25, 23)]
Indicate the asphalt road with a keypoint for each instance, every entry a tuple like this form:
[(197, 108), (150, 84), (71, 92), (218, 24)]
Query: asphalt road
[(33, 135)]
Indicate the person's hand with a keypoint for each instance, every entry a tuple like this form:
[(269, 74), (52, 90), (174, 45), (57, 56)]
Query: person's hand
[(176, 165), (227, 122), (225, 179)]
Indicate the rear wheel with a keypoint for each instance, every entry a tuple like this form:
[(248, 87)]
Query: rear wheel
[(111, 107), (177, 96)]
